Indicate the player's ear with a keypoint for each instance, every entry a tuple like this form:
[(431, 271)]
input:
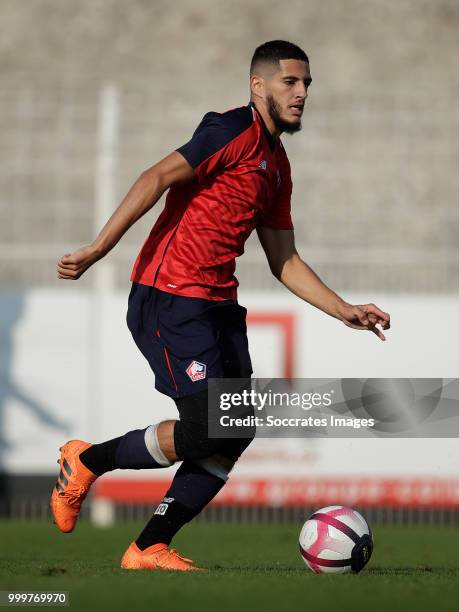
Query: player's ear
[(257, 84)]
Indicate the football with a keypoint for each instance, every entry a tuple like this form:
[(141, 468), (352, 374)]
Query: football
[(336, 540)]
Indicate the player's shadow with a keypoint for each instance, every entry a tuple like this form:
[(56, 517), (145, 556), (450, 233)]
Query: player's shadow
[(11, 311), (267, 569), (372, 571)]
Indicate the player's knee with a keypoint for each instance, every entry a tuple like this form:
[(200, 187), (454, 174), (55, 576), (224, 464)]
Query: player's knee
[(218, 465), (191, 433), (233, 448), (222, 463), (215, 455), (192, 442)]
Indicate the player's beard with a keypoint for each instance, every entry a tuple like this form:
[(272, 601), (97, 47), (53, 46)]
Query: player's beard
[(281, 124)]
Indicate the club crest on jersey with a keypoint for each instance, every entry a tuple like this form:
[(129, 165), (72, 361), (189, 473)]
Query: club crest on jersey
[(196, 371), (263, 164)]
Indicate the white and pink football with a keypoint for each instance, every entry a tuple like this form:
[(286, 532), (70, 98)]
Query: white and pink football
[(336, 540)]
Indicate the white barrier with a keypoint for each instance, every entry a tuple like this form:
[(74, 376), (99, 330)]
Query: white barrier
[(47, 373)]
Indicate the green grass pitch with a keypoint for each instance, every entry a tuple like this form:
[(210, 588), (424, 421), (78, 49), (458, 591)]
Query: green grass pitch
[(251, 567)]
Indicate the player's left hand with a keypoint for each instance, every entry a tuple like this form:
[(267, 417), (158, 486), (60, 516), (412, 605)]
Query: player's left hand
[(365, 316)]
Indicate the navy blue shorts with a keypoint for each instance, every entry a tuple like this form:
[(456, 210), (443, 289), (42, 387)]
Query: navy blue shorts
[(188, 340)]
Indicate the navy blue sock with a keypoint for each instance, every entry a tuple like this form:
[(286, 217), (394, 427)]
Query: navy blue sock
[(126, 452), (191, 490)]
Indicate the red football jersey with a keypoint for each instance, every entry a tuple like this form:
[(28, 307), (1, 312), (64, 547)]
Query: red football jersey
[(242, 181)]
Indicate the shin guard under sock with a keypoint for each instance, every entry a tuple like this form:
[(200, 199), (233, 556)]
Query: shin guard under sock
[(191, 490)]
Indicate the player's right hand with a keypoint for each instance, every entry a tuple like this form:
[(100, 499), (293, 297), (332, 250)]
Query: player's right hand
[(72, 265)]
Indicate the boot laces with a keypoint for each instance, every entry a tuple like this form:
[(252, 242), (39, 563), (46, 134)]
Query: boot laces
[(172, 552), (74, 494)]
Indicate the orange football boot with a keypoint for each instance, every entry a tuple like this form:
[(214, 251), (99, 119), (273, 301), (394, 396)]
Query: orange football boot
[(72, 485), (156, 557)]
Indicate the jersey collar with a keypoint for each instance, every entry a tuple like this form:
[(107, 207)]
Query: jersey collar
[(271, 140)]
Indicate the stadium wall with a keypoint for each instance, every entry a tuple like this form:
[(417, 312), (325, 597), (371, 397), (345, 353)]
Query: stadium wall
[(374, 168)]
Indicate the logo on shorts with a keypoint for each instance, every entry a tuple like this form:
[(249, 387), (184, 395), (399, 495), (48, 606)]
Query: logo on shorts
[(196, 371)]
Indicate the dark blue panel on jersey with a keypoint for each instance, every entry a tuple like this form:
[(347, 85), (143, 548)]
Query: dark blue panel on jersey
[(214, 132)]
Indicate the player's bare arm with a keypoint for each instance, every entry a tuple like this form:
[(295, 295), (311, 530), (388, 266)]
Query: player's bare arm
[(142, 196), (288, 267)]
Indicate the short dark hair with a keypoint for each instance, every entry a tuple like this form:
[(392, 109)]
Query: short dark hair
[(273, 51)]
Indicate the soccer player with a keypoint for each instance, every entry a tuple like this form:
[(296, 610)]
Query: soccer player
[(232, 177)]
